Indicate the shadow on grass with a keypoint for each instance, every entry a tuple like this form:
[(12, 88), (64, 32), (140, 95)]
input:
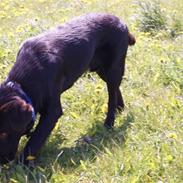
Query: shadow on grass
[(89, 145), (87, 148)]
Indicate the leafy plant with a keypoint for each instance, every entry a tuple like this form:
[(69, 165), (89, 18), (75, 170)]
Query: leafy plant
[(151, 17), (177, 27)]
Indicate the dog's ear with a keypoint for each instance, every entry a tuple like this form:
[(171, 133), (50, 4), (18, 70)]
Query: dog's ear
[(20, 113), (24, 115)]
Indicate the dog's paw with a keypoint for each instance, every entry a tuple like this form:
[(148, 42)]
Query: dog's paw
[(27, 161), (30, 164), (120, 109), (108, 126)]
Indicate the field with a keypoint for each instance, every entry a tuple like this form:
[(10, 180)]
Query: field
[(146, 144)]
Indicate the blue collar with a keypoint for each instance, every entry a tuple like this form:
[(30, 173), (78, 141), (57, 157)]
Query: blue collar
[(24, 96)]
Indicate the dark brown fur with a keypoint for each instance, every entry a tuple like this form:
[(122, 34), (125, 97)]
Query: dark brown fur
[(49, 64)]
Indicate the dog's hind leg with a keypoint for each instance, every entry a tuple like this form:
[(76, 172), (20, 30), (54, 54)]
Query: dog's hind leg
[(112, 77), (120, 102), (111, 70)]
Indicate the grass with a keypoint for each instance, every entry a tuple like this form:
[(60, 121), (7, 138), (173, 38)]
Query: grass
[(152, 17), (146, 144)]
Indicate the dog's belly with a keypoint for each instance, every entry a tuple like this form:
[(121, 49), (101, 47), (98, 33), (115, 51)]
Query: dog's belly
[(68, 79), (76, 61), (67, 84)]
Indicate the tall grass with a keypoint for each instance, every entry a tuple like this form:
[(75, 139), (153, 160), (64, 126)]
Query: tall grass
[(151, 18)]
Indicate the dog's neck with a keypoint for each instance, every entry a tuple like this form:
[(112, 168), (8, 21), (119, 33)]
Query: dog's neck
[(23, 95)]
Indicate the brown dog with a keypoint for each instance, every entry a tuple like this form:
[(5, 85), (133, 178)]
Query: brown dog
[(49, 64)]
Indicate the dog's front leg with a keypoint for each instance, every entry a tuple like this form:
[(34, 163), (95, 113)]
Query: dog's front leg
[(46, 124)]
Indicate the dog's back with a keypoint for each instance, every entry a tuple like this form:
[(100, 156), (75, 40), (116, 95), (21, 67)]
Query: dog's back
[(64, 53)]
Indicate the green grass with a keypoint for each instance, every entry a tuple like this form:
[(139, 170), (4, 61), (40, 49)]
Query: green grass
[(146, 144)]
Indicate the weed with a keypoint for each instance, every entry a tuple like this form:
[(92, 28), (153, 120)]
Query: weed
[(151, 18)]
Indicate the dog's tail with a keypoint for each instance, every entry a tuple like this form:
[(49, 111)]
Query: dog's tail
[(131, 39)]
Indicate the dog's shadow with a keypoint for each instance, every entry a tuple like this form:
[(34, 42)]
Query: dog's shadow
[(88, 146)]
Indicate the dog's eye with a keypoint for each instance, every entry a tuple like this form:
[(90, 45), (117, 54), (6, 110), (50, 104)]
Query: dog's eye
[(3, 136)]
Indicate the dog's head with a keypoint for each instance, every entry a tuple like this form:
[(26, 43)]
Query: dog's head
[(15, 116)]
